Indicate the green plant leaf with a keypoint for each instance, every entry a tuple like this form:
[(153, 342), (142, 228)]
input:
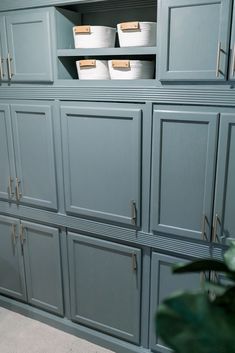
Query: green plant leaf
[(190, 323), (229, 257), (201, 265)]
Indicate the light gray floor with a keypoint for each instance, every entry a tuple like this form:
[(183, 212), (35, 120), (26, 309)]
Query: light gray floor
[(19, 334)]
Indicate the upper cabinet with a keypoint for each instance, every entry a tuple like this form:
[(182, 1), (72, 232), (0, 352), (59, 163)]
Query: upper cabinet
[(232, 52), (25, 45), (194, 40)]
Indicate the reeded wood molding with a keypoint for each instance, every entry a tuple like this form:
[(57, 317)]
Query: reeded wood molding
[(209, 97)]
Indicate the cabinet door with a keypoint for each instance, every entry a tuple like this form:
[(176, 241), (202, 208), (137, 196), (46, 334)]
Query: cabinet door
[(34, 152), (194, 39), (29, 45), (232, 51), (3, 50), (7, 169), (102, 158), (43, 266), (183, 171), (224, 221), (105, 286), (163, 284), (12, 279)]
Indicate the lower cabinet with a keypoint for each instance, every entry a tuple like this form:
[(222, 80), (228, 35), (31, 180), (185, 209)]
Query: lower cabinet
[(105, 281), (30, 265), (164, 283)]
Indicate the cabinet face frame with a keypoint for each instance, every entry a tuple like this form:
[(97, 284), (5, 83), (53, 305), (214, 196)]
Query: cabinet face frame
[(29, 18), (113, 112), (232, 51), (97, 319), (182, 115), (221, 49), (3, 50)]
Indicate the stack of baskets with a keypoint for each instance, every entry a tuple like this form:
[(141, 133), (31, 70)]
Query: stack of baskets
[(130, 34)]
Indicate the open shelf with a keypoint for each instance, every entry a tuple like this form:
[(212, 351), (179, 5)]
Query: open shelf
[(107, 51)]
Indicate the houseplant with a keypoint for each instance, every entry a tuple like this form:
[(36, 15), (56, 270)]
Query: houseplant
[(204, 321)]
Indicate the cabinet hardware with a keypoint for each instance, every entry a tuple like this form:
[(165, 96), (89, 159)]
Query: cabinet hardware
[(18, 193), (22, 238), (13, 234), (233, 61), (133, 213), (10, 191), (1, 68), (134, 262), (9, 60), (204, 222), (218, 60), (215, 236)]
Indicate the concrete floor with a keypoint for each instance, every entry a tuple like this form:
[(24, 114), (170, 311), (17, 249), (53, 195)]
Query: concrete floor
[(19, 334)]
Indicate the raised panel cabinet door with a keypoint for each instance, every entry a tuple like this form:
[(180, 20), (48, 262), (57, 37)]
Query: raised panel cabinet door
[(43, 266), (105, 282), (3, 50), (29, 46), (12, 278), (232, 51), (194, 39), (34, 152), (7, 167), (224, 221), (183, 171), (102, 162), (163, 284)]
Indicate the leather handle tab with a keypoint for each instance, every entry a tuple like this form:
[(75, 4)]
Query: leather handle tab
[(87, 63), (82, 29), (126, 26), (125, 64)]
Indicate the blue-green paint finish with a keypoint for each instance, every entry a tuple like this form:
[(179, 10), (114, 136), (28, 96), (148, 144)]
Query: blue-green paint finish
[(12, 278), (7, 166), (34, 154), (29, 45), (183, 170), (189, 34), (164, 283), (225, 189), (232, 50), (105, 287), (102, 160), (3, 50), (43, 267)]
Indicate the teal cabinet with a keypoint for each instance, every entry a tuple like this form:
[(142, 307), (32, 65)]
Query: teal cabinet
[(183, 171), (27, 53), (194, 39), (105, 281), (232, 51), (163, 284), (102, 161), (224, 221), (3, 50), (41, 246), (34, 154), (12, 277), (7, 169)]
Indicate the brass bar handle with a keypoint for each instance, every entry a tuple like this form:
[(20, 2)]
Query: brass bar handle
[(13, 234), (18, 193), (1, 68), (134, 262), (204, 222), (215, 236), (9, 60), (10, 191), (233, 62), (133, 213), (218, 60)]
